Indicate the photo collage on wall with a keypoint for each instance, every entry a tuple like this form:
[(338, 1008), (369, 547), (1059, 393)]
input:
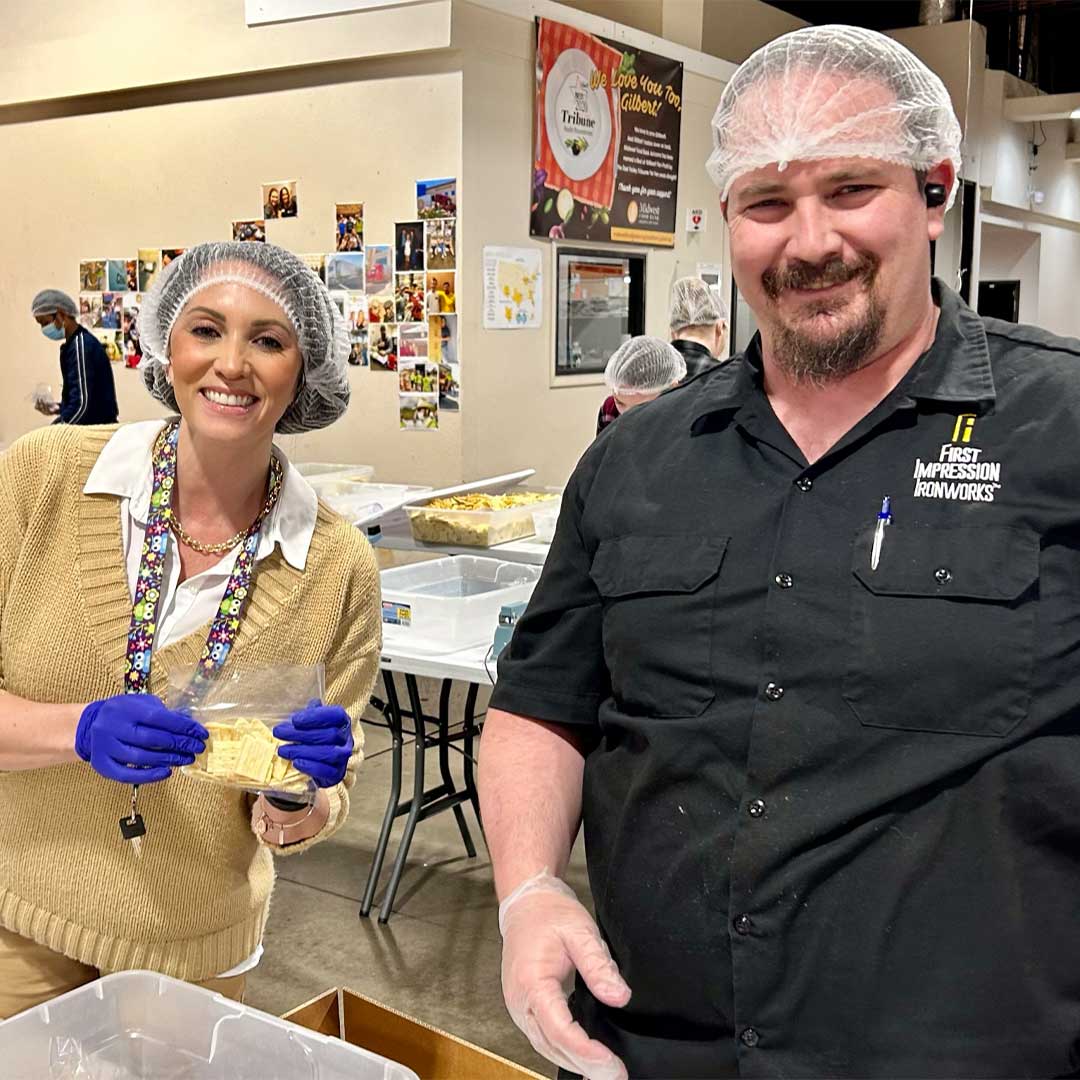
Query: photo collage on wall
[(398, 300)]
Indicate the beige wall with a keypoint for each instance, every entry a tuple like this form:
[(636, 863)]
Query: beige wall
[(513, 418), (172, 175), (733, 29), (644, 15)]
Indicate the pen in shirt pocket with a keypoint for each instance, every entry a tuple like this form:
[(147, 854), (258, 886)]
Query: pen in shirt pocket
[(884, 518)]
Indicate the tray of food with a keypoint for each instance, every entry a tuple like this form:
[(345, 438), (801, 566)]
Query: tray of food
[(477, 518)]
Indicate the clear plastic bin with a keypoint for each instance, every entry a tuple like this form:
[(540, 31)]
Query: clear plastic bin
[(545, 518), (449, 604), (359, 501), (136, 1025), (474, 528), (356, 473)]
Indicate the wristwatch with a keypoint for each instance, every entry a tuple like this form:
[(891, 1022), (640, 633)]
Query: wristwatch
[(278, 831)]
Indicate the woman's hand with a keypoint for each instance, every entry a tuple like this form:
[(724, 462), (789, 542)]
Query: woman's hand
[(134, 739), (320, 742)]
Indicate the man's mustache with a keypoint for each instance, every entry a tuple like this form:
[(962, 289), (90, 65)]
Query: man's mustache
[(804, 275)]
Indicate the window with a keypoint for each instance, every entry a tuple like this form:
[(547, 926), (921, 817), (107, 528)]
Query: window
[(600, 303)]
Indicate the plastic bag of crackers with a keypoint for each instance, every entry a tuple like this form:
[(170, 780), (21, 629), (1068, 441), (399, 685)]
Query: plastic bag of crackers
[(240, 709)]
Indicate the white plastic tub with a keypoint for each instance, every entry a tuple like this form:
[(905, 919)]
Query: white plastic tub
[(452, 603), (136, 1025), (360, 502), (359, 473)]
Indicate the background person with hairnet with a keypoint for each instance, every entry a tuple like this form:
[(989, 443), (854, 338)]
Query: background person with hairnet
[(803, 655), (699, 322), (639, 370), (89, 394), (128, 553)]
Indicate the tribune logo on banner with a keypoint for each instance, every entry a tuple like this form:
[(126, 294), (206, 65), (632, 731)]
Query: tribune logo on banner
[(959, 474)]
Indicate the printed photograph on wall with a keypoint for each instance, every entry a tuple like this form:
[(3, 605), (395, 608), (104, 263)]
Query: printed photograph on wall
[(442, 338), (90, 310), (409, 297), (279, 200), (316, 263), (417, 377), (356, 309), (129, 325), (381, 308), (252, 231), (412, 341), (112, 305), (419, 412), (439, 236), (382, 347), (92, 275), (350, 227), (440, 293), (358, 350), (450, 387), (345, 270), (149, 267), (113, 343), (436, 198), (408, 246), (169, 255), (378, 266), (123, 275)]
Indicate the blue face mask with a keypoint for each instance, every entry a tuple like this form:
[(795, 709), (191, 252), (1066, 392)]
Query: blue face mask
[(53, 332)]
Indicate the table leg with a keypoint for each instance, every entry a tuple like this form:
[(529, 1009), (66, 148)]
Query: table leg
[(417, 800), (393, 718), (444, 765), (470, 729)]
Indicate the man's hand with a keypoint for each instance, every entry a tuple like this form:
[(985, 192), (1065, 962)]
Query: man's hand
[(47, 408), (547, 934)]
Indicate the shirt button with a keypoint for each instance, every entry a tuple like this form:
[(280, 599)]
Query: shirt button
[(785, 581), (774, 692), (804, 483), (744, 924), (943, 575), (749, 1037), (756, 807)]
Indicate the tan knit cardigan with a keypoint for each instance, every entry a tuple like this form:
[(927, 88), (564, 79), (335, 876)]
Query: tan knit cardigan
[(195, 903)]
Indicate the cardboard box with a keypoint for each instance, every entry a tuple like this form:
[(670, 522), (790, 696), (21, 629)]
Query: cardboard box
[(430, 1053)]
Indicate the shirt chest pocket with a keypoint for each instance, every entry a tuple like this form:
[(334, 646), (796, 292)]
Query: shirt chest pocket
[(943, 632), (659, 596)]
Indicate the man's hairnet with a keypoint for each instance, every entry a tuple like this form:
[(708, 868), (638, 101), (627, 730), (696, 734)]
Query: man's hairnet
[(278, 274), (644, 365), (832, 92), (50, 301), (693, 303)]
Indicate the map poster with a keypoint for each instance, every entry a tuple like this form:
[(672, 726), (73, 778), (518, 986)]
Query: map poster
[(511, 288), (607, 125)]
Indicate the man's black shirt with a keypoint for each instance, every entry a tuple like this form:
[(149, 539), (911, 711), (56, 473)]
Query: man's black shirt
[(89, 394), (697, 357), (832, 815)]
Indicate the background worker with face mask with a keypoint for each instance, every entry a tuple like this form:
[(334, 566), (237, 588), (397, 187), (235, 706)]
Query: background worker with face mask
[(89, 395)]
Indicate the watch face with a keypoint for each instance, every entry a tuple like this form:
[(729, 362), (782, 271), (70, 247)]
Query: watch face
[(260, 826)]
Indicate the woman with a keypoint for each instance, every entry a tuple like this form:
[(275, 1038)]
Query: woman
[(272, 209), (639, 370), (288, 203), (165, 545)]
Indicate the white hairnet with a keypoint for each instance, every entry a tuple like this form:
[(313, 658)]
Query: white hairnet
[(643, 365), (284, 278), (50, 301), (832, 92), (693, 303)]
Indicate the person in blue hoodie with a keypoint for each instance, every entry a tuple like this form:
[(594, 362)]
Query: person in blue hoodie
[(89, 394)]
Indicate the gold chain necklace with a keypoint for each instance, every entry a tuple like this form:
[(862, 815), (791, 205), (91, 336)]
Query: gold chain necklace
[(223, 546)]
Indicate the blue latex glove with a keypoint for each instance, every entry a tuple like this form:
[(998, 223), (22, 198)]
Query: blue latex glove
[(320, 742), (134, 739)]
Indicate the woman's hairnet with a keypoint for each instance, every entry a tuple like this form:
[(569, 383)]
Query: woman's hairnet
[(278, 274), (693, 303), (50, 301), (644, 365), (832, 92)]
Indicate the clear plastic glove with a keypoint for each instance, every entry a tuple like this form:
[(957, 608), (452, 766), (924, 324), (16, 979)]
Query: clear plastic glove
[(547, 934), (320, 742), (135, 739)]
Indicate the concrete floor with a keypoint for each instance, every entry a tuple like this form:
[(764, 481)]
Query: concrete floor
[(438, 957)]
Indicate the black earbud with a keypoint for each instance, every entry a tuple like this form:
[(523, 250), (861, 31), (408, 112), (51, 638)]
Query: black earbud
[(935, 194)]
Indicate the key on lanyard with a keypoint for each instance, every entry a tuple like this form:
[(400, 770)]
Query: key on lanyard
[(134, 828)]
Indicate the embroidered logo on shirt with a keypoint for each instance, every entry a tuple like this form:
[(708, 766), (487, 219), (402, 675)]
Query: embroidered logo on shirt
[(959, 474)]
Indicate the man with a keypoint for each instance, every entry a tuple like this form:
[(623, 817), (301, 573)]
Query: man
[(698, 324), (89, 395), (804, 653)]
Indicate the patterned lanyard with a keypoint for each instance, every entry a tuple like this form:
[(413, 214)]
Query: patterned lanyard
[(144, 612)]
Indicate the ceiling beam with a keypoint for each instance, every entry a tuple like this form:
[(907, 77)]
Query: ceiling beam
[(1025, 110)]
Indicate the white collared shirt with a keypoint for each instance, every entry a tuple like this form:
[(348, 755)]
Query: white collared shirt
[(124, 469)]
